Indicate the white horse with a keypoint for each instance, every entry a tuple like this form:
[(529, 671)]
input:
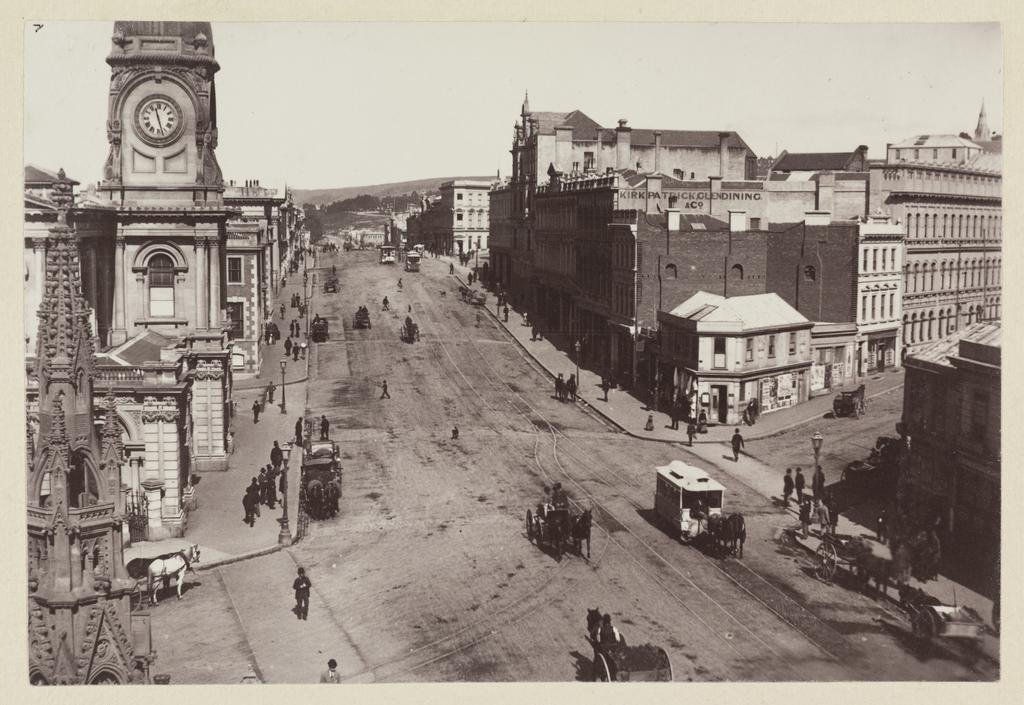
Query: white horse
[(173, 565)]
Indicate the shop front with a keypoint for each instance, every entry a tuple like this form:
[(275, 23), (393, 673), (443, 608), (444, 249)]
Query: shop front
[(881, 350)]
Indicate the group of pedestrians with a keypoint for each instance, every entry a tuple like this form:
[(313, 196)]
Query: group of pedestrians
[(820, 506), (262, 489), (293, 349), (271, 333), (565, 389)]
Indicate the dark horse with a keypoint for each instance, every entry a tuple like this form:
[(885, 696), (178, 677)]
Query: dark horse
[(727, 533), (581, 531)]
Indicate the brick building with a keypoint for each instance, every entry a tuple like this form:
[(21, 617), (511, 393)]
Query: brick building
[(947, 193), (951, 408)]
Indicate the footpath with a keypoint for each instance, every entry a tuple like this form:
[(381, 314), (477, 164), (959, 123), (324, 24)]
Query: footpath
[(630, 414)]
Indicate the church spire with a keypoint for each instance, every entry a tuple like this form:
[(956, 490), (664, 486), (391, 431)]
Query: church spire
[(526, 103), (982, 132)]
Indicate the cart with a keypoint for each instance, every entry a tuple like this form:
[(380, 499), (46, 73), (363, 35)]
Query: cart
[(331, 285), (620, 662), (930, 619), (850, 403)]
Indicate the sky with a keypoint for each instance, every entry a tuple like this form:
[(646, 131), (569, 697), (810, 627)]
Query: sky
[(323, 105)]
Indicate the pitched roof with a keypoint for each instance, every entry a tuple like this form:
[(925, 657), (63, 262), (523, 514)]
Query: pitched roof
[(701, 223), (142, 348), (707, 139), (939, 352), (995, 146), (814, 161), (987, 161), (739, 312), (37, 176), (935, 141)]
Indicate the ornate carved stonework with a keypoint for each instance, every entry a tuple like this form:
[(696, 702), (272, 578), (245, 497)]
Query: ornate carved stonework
[(164, 409), (209, 370)]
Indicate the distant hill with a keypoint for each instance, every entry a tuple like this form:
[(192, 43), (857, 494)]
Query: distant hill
[(320, 197)]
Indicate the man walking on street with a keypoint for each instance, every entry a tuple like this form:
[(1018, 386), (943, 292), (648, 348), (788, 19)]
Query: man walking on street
[(798, 484), (276, 456), (833, 513), (691, 431), (287, 346), (818, 483), (737, 444), (271, 388), (821, 512), (805, 513), (605, 386), (384, 390), (325, 426), (301, 585), (505, 311), (295, 352), (331, 675), (298, 432), (787, 486), (673, 413), (271, 492), (256, 411)]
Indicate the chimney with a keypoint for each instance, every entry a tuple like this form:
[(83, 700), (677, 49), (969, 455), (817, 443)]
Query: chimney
[(623, 141), (737, 221), (817, 218), (723, 153), (657, 149), (673, 219)]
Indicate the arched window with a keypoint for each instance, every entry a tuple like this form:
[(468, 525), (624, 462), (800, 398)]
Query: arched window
[(906, 328), (874, 259), (736, 271), (942, 323), (671, 271), (942, 275), (161, 285), (944, 217), (931, 278), (917, 276), (931, 322), (935, 226), (950, 321)]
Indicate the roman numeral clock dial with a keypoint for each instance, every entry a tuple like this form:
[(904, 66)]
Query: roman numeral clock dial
[(159, 120)]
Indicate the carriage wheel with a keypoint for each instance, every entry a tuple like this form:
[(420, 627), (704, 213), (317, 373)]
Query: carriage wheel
[(828, 560), (924, 624), (529, 525), (601, 671)]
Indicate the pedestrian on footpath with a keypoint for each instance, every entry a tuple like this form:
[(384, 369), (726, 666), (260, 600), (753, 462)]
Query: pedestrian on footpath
[(261, 479), (570, 387), (560, 388), (477, 319), (295, 352), (451, 268), (298, 432), (247, 505), (301, 585), (818, 483), (505, 311), (787, 486), (674, 415), (284, 281), (276, 456), (256, 411), (605, 386), (821, 513), (287, 346), (271, 388), (691, 431), (798, 484), (271, 492), (833, 512), (805, 514), (455, 433), (650, 423), (325, 426), (526, 319), (331, 675), (737, 444), (384, 390), (282, 312)]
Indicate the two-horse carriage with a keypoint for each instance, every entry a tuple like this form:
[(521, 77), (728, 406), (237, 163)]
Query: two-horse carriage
[(158, 570), (319, 330), (616, 661), (689, 504), (361, 319), (558, 521), (321, 479), (410, 331)]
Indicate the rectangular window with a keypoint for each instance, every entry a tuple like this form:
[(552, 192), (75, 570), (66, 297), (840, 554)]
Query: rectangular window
[(935, 154), (161, 300), (792, 343), (750, 349), (892, 303), (458, 197), (755, 223), (575, 166), (865, 265), (954, 153), (874, 260), (864, 307), (588, 161), (236, 316), (234, 270), (458, 217), (771, 346), (917, 154), (873, 297), (720, 353)]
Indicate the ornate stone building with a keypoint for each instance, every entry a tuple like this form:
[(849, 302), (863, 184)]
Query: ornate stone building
[(80, 626)]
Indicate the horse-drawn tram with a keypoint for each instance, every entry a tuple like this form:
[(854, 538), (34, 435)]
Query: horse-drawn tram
[(557, 521), (684, 498), (321, 479)]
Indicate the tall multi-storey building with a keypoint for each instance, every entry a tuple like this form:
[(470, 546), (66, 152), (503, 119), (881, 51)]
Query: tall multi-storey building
[(947, 193), (879, 294), (466, 205)]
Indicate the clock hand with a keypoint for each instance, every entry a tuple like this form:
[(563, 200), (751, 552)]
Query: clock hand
[(159, 121)]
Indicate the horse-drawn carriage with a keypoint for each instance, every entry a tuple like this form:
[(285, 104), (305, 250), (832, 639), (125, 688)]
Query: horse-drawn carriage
[(361, 319), (850, 403), (331, 284), (616, 661), (319, 330), (472, 296), (154, 571), (410, 331), (557, 521), (321, 479)]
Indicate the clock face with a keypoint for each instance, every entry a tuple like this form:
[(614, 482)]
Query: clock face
[(158, 119)]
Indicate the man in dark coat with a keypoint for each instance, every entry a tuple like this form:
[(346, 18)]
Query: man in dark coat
[(271, 388), (787, 486), (301, 586), (505, 311), (298, 431), (276, 456), (251, 502), (295, 352), (605, 386), (256, 411), (570, 387), (818, 483), (805, 513), (674, 415), (325, 426), (691, 431), (271, 491), (384, 390), (261, 479), (737, 444), (287, 346), (798, 485)]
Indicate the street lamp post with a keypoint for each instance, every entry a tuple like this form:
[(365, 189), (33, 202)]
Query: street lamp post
[(577, 347), (284, 536), (816, 441), (284, 406)]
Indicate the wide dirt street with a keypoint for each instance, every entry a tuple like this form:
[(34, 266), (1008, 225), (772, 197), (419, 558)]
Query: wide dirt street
[(427, 574)]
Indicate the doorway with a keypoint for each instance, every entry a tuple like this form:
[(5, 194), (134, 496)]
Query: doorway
[(720, 401)]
